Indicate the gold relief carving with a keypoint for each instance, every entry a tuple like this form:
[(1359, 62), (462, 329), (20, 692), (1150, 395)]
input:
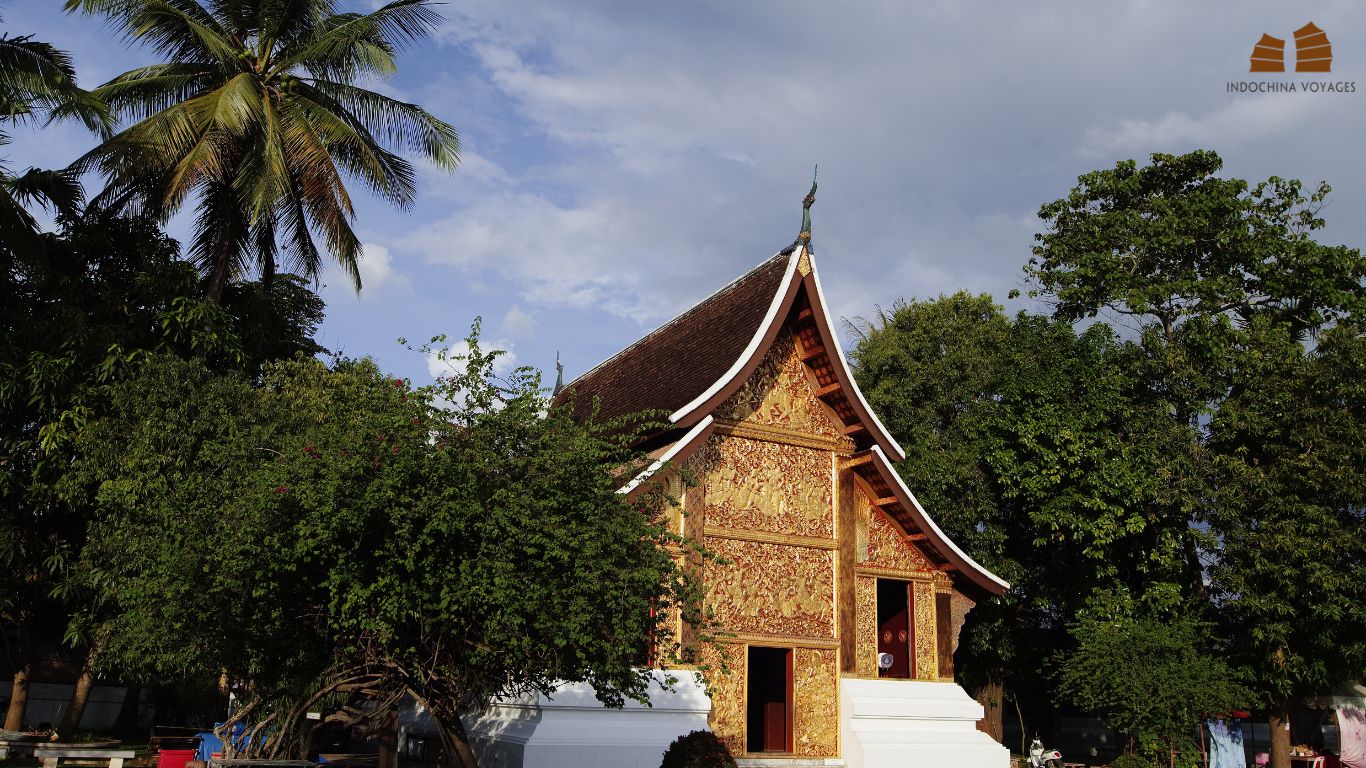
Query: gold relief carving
[(815, 690), (893, 573), (959, 606), (804, 262), (926, 645), (861, 523), (773, 538), (759, 486), (771, 589), (865, 590), (888, 547), (784, 436), (724, 665), (780, 641), (778, 394)]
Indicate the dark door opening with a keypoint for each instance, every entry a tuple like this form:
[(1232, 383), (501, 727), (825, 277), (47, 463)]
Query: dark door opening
[(768, 711), (895, 630)]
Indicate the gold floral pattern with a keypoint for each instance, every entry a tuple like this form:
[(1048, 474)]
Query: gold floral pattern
[(865, 642), (959, 605), (926, 638), (761, 486), (778, 393), (771, 588), (815, 689), (888, 546), (724, 672)]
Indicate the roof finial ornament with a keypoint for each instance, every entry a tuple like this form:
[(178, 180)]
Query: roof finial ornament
[(559, 375), (804, 237)]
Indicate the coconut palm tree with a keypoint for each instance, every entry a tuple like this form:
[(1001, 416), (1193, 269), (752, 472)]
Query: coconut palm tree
[(256, 115), (38, 86)]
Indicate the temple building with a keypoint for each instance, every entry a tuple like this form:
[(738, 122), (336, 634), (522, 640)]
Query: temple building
[(837, 601)]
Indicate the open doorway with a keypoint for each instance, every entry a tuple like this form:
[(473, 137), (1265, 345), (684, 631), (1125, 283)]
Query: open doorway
[(768, 710), (895, 629)]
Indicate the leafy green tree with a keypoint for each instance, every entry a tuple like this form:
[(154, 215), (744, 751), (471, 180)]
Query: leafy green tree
[(1026, 442), (1290, 513), (1152, 679), (256, 115), (1220, 281), (75, 315), (370, 541)]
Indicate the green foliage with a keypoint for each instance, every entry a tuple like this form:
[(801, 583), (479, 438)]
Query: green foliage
[(1150, 678), (699, 749), (256, 114), (1132, 761), (1026, 442), (1289, 486), (1249, 335), (336, 533), (88, 309)]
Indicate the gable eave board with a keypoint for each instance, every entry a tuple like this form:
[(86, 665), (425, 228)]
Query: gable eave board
[(970, 568), (744, 364)]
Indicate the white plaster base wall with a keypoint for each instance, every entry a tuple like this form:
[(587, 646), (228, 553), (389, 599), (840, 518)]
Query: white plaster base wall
[(574, 729), (902, 723)]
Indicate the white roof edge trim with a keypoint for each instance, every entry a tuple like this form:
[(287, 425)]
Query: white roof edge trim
[(753, 346), (849, 374), (668, 456), (877, 451)]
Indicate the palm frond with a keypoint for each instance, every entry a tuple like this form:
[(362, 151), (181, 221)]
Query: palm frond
[(350, 141), (352, 44), (180, 30), (407, 126), (38, 81), (145, 91), (58, 190)]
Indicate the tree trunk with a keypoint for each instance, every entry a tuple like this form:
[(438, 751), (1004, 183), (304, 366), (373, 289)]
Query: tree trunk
[(992, 698), (71, 719), (388, 741), (1019, 716), (455, 743), (18, 702), (1279, 717)]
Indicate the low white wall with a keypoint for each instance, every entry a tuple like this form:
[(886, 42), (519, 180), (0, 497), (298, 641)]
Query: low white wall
[(572, 729), (896, 723)]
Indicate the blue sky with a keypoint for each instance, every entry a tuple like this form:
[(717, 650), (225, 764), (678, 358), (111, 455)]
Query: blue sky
[(624, 159)]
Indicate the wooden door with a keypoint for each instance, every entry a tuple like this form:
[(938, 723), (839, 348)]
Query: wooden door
[(896, 630), (768, 710)]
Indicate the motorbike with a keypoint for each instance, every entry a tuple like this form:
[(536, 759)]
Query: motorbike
[(1043, 758)]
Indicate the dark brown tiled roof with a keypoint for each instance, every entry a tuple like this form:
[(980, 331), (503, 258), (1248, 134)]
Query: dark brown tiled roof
[(679, 360)]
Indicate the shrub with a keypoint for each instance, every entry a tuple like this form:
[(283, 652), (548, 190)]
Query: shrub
[(1131, 761), (699, 749)]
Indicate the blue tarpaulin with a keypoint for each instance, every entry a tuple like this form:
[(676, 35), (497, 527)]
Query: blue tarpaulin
[(1226, 744)]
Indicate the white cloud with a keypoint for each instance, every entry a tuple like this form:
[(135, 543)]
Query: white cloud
[(1244, 119), (450, 360), (517, 322), (377, 271)]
